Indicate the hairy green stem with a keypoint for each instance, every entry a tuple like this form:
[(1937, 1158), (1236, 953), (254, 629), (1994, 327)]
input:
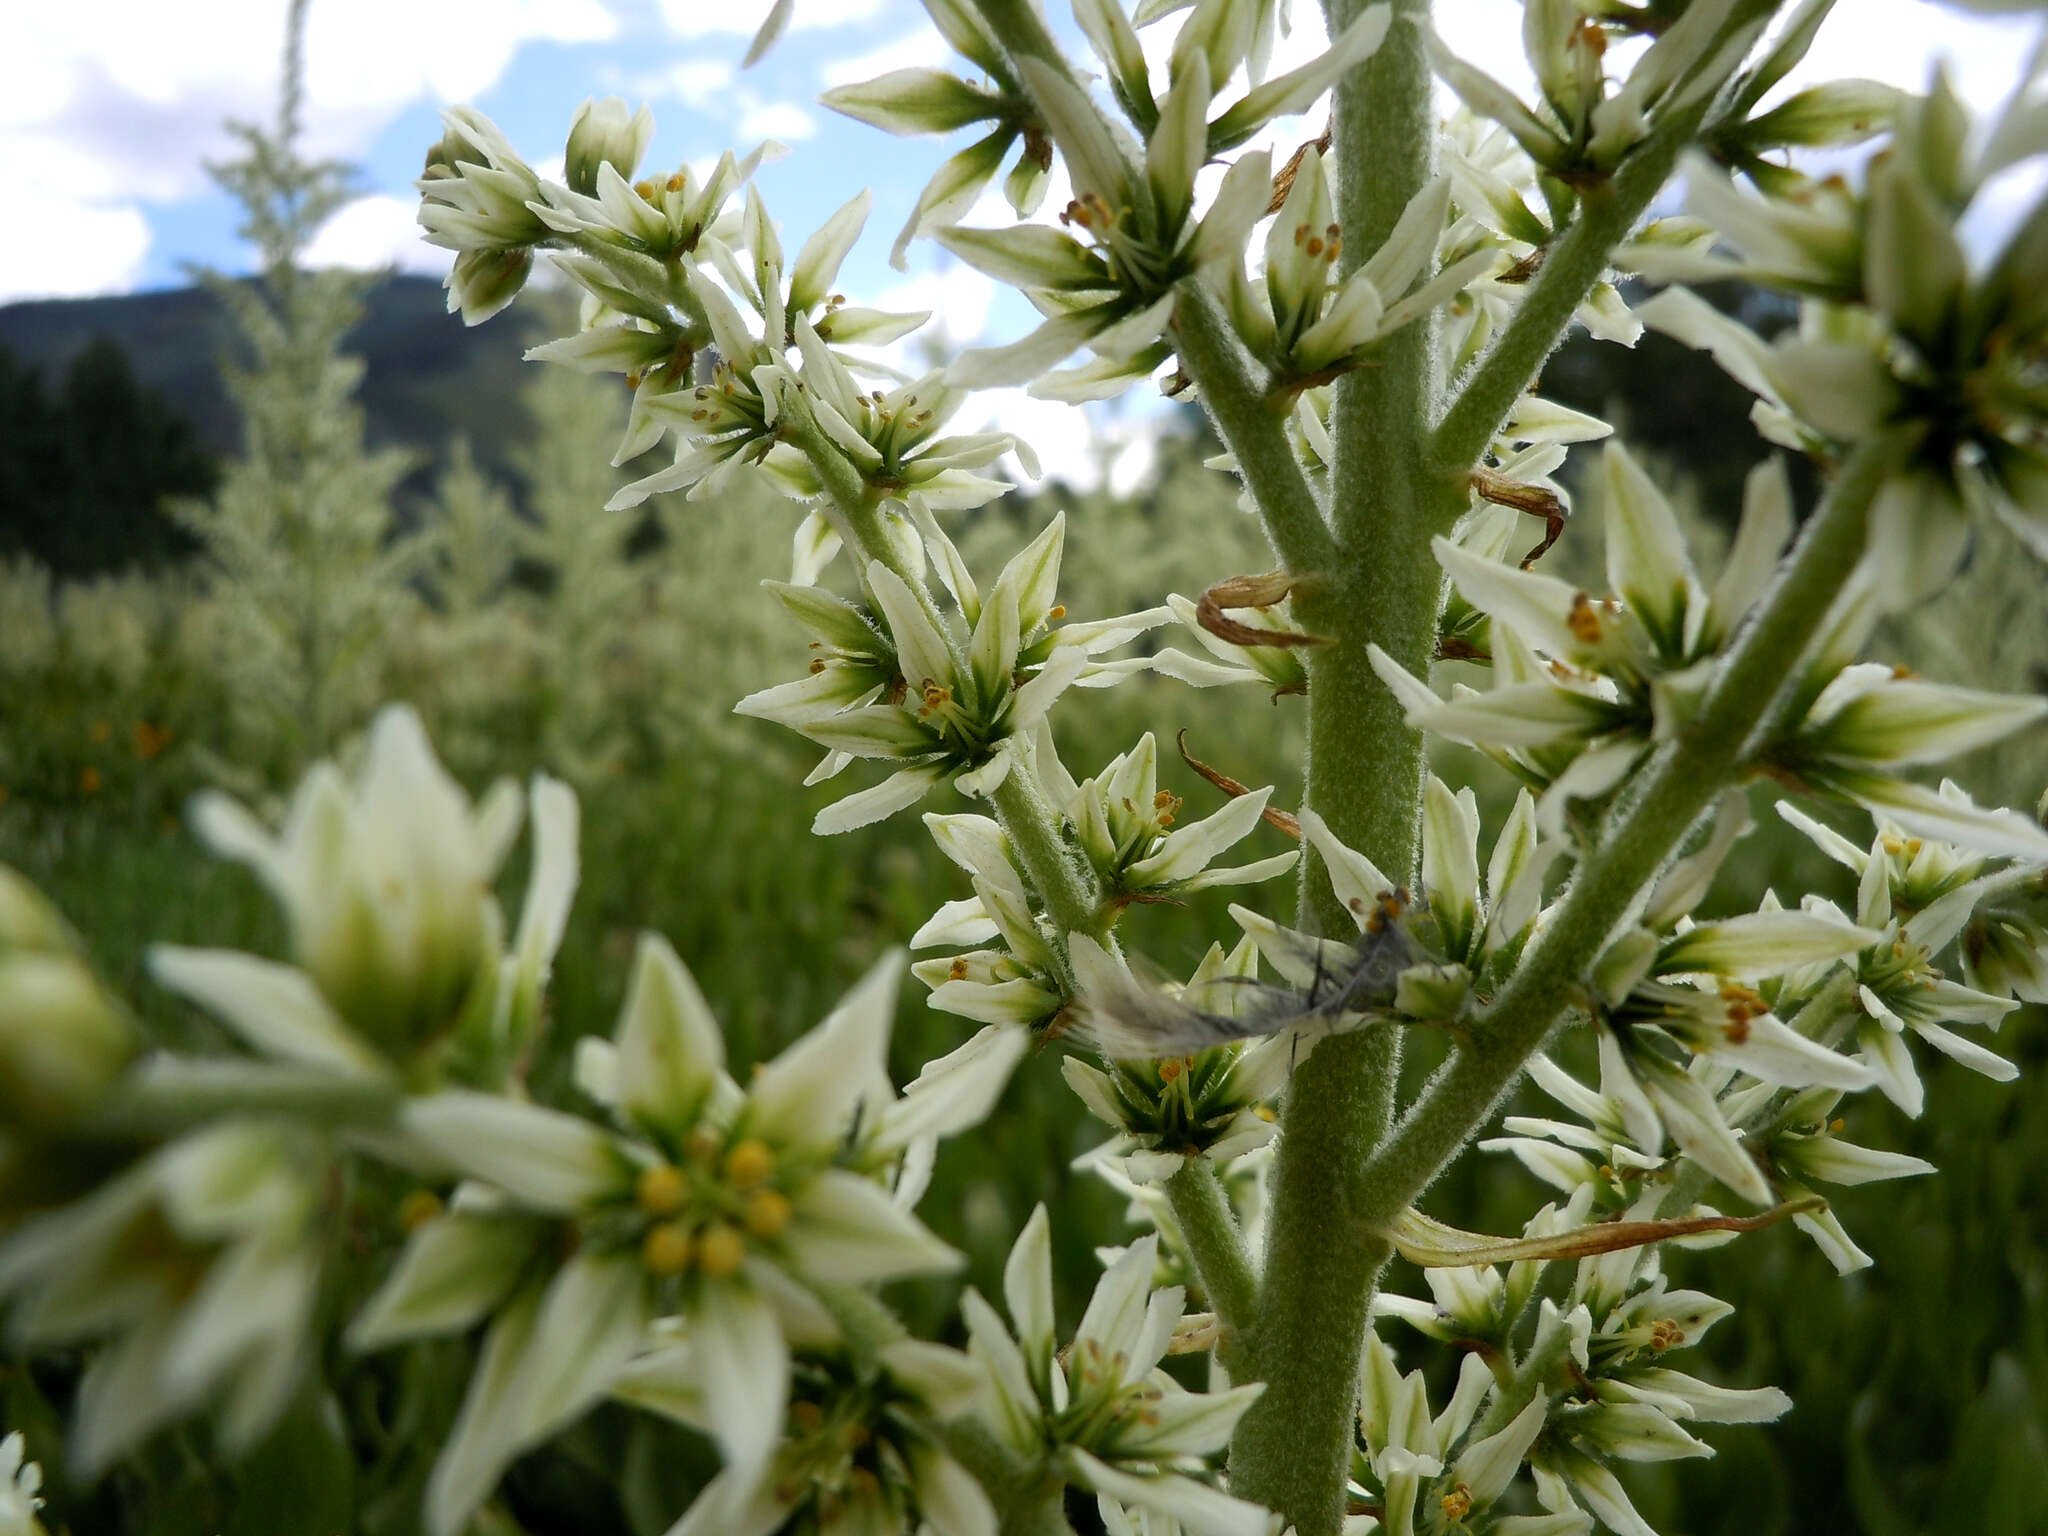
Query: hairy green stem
[(1679, 784), (1063, 879), (1210, 1229), (1364, 777), (1254, 428)]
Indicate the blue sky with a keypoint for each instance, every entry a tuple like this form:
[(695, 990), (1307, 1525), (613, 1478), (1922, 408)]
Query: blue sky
[(109, 107)]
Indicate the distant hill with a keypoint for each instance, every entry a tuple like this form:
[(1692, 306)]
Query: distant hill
[(428, 377)]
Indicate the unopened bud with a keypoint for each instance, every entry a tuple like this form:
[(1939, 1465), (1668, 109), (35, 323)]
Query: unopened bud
[(604, 131), (62, 1040)]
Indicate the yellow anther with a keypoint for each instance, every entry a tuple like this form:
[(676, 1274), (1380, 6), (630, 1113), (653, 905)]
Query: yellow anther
[(667, 1249), (957, 971), (721, 1251), (677, 182), (417, 1209), (1170, 1071), (1056, 611), (853, 1436), (1583, 621), (1457, 1504), (749, 1164), (644, 189), (1666, 1334), (661, 1190), (767, 1214), (1315, 245)]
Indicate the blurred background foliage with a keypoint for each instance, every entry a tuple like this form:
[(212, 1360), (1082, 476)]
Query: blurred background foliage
[(534, 629)]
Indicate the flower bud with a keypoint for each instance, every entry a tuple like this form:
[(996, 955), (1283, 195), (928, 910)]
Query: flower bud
[(62, 1040), (27, 920), (603, 131), (483, 282), (385, 881)]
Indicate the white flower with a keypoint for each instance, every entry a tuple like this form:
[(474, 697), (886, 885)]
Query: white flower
[(695, 1205), (385, 882), (603, 133), (1212, 1103), (197, 1270), (1125, 824), (1112, 1421), (1582, 686), (1585, 128), (1021, 983), (854, 1454), (63, 1041), (951, 711)]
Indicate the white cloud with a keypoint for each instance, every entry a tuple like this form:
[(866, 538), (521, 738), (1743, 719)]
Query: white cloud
[(698, 82), (107, 107), (696, 18), (376, 232), (783, 120), (921, 49), (958, 298), (72, 250)]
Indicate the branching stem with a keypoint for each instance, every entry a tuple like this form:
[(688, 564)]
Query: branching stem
[(1678, 785)]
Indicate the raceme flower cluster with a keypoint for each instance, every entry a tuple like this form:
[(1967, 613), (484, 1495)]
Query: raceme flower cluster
[(612, 1214)]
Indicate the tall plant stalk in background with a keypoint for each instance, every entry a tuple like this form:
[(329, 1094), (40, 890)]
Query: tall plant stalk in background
[(1364, 316), (300, 535)]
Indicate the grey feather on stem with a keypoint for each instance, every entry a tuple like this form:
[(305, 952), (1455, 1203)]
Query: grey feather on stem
[(1125, 1019)]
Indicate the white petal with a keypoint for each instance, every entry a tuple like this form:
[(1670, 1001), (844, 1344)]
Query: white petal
[(276, 1008), (804, 1096), (1201, 1510), (743, 1371), (547, 1160), (670, 1052), (845, 1229)]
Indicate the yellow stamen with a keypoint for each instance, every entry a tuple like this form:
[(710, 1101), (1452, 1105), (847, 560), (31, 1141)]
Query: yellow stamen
[(668, 1248), (767, 1214), (749, 1163), (661, 1190), (721, 1251)]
